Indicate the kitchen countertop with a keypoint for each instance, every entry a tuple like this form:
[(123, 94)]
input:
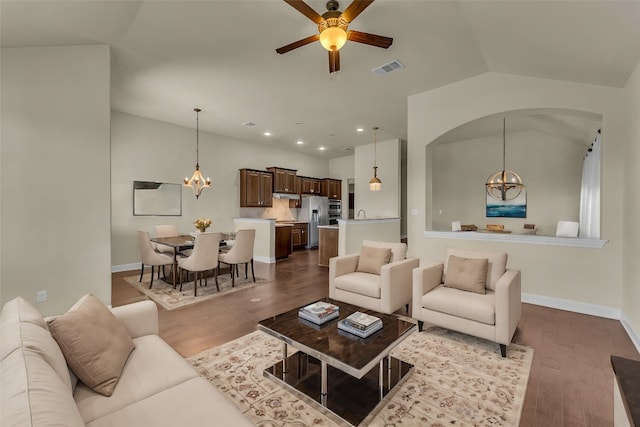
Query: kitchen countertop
[(328, 226)]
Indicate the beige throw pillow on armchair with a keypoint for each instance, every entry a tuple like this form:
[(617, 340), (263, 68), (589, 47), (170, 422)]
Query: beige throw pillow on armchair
[(467, 274), (94, 343), (372, 259)]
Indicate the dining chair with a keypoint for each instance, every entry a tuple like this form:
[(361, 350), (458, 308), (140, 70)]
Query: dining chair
[(203, 258), (240, 253), (165, 231), (149, 256)]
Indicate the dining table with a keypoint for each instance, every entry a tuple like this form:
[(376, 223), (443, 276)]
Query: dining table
[(184, 242)]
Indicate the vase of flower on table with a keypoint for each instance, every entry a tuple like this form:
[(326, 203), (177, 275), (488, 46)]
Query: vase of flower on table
[(202, 224)]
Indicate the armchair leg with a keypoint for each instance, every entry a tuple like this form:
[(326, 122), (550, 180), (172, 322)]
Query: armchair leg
[(420, 325), (406, 307), (253, 273), (246, 269), (141, 272), (503, 350), (151, 284), (216, 275)]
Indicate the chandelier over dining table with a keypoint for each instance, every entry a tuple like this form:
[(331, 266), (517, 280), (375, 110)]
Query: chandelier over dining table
[(197, 182)]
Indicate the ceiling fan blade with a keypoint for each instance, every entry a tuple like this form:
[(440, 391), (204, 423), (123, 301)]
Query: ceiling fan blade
[(370, 39), (355, 9), (334, 61), (305, 9), (299, 43)]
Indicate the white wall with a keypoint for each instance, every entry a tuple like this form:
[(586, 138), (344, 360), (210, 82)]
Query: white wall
[(55, 175), (591, 279), (551, 169), (385, 203), (149, 150), (631, 279)]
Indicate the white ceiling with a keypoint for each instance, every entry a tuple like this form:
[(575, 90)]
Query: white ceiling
[(171, 56)]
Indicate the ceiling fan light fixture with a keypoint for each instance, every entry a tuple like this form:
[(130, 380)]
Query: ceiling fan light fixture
[(333, 38)]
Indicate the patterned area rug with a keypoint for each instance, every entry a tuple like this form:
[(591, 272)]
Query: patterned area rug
[(458, 380), (170, 298)]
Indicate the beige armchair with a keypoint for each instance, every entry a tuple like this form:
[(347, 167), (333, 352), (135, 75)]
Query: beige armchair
[(369, 280), (456, 296)]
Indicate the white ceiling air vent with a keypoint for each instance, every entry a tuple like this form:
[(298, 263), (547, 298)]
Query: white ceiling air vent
[(248, 124), (387, 68)]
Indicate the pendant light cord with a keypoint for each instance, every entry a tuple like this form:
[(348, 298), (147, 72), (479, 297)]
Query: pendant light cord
[(375, 143), (504, 144), (197, 110)]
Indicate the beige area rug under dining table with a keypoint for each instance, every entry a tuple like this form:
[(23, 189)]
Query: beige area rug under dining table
[(164, 294), (458, 380)]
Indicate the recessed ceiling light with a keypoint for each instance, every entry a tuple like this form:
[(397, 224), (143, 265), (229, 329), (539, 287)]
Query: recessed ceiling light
[(360, 129), (267, 134), (300, 142), (321, 148)]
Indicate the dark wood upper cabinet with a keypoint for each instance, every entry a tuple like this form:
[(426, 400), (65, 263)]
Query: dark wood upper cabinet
[(284, 180), (311, 186), (256, 188), (332, 188)]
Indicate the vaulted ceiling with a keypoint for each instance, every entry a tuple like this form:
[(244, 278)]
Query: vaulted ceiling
[(171, 56)]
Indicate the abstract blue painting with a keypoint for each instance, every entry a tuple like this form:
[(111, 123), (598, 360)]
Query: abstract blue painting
[(516, 208)]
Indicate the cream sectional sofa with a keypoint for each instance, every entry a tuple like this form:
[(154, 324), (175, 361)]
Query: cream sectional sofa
[(157, 387)]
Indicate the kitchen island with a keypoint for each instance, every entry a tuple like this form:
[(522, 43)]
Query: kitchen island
[(327, 243)]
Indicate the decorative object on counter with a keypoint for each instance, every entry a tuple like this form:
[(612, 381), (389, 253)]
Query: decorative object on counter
[(567, 229), (444, 359), (202, 224), (375, 184), (468, 227), (495, 228), (455, 226), (505, 184), (197, 182)]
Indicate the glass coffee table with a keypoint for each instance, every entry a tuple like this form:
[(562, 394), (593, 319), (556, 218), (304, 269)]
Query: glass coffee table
[(344, 376)]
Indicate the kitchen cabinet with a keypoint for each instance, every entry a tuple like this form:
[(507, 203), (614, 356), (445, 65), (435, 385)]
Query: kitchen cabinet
[(299, 235), (284, 180), (328, 244), (297, 203), (311, 186), (332, 188), (256, 188), (283, 241)]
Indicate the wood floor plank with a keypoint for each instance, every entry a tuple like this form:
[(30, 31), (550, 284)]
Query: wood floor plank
[(571, 377)]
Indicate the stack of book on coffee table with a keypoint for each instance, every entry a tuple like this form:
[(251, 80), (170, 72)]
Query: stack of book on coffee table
[(319, 312), (360, 324)]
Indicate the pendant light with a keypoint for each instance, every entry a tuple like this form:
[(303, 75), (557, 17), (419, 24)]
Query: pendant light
[(504, 185), (375, 184), (197, 182)]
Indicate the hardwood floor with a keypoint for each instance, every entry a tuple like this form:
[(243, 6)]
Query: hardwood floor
[(571, 382)]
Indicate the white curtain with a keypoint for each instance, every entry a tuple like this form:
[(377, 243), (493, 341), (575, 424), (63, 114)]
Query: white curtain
[(590, 192)]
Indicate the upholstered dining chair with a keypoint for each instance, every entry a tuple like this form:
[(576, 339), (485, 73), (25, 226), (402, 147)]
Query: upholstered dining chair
[(149, 256), (240, 253), (165, 231), (203, 258)]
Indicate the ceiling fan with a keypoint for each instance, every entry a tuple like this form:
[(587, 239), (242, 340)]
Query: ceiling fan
[(332, 28)]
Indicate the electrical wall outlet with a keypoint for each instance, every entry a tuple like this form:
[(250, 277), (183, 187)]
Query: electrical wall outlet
[(41, 296)]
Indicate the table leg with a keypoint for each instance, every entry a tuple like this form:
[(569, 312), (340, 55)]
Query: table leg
[(381, 379), (284, 358), (174, 267), (323, 386)]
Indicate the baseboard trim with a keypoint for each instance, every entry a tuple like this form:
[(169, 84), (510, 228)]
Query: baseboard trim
[(266, 260), (575, 306), (125, 267), (632, 334)]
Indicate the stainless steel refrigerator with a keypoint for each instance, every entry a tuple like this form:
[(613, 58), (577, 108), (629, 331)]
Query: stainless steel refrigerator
[(315, 210)]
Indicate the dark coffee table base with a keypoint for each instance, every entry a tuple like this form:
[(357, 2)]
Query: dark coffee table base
[(349, 399)]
